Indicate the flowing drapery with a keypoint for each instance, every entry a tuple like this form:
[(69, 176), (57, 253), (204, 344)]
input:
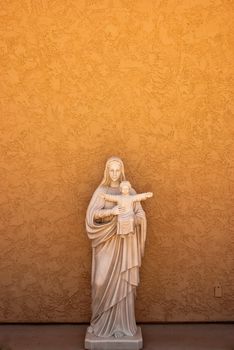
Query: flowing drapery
[(115, 267)]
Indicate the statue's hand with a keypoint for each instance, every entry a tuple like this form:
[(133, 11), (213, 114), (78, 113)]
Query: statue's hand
[(149, 194), (139, 219), (118, 210)]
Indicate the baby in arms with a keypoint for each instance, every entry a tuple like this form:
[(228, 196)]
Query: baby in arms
[(125, 223)]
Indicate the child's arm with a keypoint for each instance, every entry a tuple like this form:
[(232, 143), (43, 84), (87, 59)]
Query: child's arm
[(142, 196), (110, 197)]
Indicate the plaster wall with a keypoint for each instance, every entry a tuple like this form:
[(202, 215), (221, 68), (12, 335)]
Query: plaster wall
[(149, 81)]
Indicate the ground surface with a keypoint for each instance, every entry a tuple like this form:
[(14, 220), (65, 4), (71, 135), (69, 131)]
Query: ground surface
[(156, 337)]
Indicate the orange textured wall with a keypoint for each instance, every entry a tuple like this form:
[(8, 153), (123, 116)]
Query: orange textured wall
[(149, 81)]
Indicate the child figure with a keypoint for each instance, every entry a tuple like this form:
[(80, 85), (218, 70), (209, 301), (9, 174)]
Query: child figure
[(125, 223)]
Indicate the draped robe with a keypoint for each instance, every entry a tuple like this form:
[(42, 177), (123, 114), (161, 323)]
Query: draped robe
[(115, 266)]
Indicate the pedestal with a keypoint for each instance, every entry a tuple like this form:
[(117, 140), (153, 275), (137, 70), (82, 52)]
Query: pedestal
[(111, 343)]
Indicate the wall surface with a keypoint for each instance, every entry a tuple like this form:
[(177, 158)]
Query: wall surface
[(149, 81)]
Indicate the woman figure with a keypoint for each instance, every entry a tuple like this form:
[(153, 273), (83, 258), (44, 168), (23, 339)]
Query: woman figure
[(115, 261)]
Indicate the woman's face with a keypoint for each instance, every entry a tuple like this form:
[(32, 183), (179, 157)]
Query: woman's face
[(115, 171)]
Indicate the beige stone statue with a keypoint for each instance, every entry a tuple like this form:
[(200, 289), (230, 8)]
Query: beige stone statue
[(115, 261)]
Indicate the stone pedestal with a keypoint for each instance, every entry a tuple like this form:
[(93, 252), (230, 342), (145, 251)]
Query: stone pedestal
[(111, 343)]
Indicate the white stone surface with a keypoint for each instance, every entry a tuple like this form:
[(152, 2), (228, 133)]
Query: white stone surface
[(117, 234), (134, 342)]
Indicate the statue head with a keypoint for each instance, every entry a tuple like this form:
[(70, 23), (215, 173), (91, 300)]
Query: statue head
[(114, 171), (125, 187)]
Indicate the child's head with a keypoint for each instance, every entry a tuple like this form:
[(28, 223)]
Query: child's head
[(125, 187)]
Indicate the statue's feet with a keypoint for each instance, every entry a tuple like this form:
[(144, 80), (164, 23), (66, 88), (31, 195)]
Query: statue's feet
[(118, 334)]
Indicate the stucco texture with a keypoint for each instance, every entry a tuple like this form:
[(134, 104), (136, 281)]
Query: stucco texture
[(149, 81)]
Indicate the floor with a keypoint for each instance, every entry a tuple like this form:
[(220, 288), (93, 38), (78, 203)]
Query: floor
[(156, 337)]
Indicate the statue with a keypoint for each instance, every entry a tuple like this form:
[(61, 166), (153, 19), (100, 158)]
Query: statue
[(125, 224), (117, 233)]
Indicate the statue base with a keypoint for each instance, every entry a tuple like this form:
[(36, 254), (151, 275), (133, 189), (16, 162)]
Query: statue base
[(134, 342)]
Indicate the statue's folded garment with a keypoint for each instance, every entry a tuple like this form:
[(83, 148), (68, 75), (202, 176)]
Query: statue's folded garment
[(115, 265)]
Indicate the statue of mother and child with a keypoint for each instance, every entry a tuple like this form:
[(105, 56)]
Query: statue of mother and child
[(116, 226)]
